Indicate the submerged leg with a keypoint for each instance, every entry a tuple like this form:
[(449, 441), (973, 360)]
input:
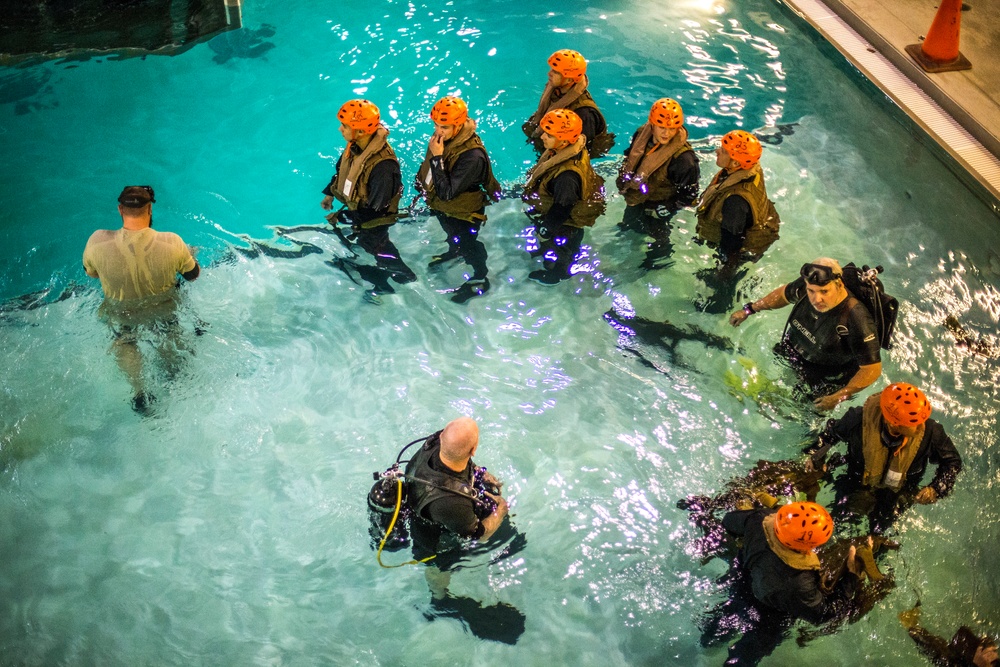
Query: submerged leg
[(129, 358)]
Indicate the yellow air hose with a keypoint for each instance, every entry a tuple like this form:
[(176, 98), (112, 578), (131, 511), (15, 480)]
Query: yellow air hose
[(395, 515)]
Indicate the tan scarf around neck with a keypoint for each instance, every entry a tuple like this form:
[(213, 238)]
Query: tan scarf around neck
[(649, 161), (545, 104), (790, 557), (350, 165), (550, 159)]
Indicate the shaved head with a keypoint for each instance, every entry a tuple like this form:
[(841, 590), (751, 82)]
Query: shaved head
[(459, 440)]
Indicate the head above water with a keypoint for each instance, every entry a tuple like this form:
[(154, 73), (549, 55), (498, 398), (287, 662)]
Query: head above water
[(666, 113), (136, 196), (569, 64), (742, 149), (450, 111), (803, 526), (358, 116), (459, 441), (563, 125), (824, 283), (904, 406), (135, 206)]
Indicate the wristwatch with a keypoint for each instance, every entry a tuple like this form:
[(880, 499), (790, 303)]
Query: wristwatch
[(748, 308)]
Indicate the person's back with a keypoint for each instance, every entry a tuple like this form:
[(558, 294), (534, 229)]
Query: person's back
[(138, 270), (135, 264)]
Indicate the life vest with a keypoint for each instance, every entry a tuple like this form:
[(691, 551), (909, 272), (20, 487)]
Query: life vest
[(877, 473), (749, 184), (654, 162), (591, 205), (466, 206), (424, 484), (576, 97), (356, 195)]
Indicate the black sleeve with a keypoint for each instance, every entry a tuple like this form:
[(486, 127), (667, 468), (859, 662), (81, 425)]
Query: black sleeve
[(795, 290), (932, 646), (195, 272), (567, 189), (456, 514), (736, 522), (684, 173), (467, 174), (737, 217), (817, 608), (384, 183), (862, 338), (948, 461), (593, 122)]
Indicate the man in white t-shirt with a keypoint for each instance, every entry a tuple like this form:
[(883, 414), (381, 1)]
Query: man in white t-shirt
[(138, 270)]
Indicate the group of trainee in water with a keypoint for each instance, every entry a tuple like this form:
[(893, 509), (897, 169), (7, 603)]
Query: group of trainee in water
[(832, 340)]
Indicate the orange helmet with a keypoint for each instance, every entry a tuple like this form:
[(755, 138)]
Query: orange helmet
[(568, 63), (666, 113), (359, 115), (803, 526), (450, 111), (562, 124), (742, 147), (904, 405)]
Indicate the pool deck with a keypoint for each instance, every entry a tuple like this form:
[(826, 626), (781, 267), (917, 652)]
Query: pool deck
[(960, 110)]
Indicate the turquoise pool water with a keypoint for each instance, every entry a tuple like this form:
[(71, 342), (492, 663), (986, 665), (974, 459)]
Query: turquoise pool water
[(229, 528)]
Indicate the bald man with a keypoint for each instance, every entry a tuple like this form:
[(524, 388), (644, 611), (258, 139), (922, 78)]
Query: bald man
[(830, 339), (439, 481), (445, 469)]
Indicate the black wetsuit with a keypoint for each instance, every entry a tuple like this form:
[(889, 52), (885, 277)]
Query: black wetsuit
[(935, 447), (469, 174), (439, 512), (827, 348)]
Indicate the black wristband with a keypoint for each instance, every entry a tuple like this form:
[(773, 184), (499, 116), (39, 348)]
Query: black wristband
[(748, 308)]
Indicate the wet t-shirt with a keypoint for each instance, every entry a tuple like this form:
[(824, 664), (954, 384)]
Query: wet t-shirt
[(817, 337), (135, 264)]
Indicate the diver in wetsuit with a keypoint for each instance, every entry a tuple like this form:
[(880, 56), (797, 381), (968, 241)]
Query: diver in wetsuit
[(831, 339), (440, 491)]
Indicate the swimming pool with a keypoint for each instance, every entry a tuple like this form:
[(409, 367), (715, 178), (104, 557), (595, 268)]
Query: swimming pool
[(229, 528)]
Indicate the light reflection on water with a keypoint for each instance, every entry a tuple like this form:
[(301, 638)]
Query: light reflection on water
[(230, 529)]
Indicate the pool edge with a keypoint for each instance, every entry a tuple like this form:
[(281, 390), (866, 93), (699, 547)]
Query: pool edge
[(957, 131)]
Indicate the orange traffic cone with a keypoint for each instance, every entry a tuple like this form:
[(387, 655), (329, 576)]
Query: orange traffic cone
[(939, 50)]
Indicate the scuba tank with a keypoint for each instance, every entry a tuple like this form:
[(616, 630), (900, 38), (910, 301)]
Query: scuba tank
[(386, 494)]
